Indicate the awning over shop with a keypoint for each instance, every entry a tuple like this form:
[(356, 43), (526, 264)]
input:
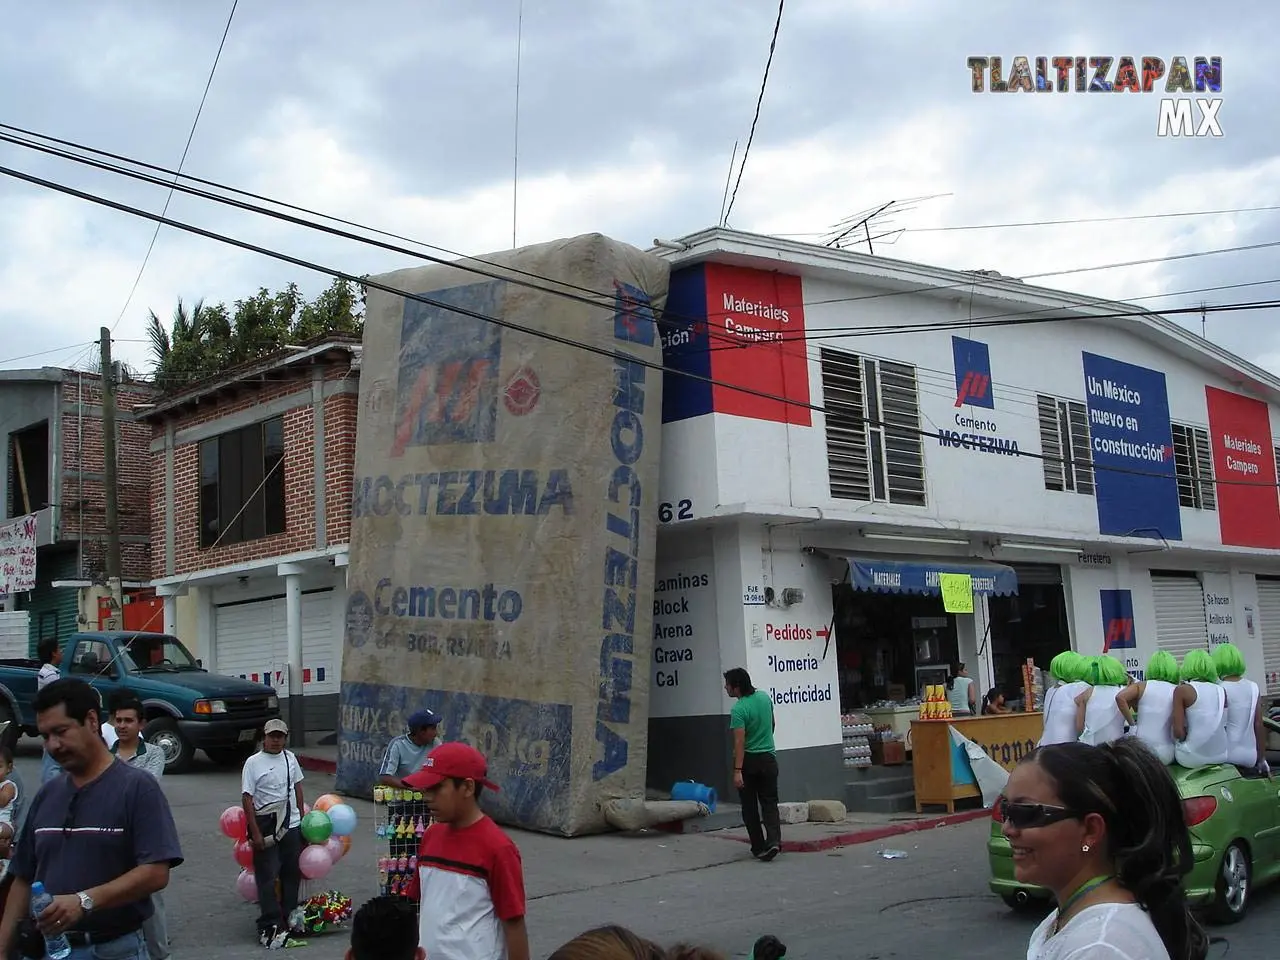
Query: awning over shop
[(921, 576)]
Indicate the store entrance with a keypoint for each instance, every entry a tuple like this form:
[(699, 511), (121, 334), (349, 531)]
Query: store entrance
[(890, 645), (1032, 625)]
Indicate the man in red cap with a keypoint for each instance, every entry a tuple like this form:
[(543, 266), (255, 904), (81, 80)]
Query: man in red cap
[(470, 878)]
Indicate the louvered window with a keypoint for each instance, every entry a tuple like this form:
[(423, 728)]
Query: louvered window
[(1064, 445), (1193, 463), (875, 446)]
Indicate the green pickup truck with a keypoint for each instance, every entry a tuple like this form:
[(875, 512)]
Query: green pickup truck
[(187, 708)]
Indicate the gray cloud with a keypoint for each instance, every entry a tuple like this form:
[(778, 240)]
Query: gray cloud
[(400, 114)]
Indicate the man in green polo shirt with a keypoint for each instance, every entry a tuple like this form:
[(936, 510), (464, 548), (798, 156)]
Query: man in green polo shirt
[(755, 764)]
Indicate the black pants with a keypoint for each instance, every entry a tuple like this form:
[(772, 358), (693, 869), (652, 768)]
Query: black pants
[(759, 795), (279, 862)]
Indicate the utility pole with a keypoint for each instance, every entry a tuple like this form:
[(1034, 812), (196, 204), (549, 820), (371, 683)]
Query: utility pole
[(111, 488)]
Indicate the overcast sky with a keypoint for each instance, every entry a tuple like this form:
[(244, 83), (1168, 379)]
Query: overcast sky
[(400, 115)]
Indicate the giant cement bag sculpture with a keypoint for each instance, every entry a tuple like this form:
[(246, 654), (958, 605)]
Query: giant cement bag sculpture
[(504, 522)]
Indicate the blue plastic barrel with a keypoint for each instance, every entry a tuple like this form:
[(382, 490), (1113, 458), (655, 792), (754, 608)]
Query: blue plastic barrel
[(699, 792)]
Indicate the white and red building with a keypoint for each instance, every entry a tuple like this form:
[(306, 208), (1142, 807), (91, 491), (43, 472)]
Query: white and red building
[(1106, 478)]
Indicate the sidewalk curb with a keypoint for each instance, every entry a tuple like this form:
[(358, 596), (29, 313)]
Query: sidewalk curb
[(317, 764), (871, 834)]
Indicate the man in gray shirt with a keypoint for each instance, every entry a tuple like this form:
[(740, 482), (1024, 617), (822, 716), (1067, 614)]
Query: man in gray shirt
[(126, 718), (100, 837)]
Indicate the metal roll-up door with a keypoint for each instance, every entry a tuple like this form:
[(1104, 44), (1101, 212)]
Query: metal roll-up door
[(1181, 625), (250, 639), (1269, 628), (1043, 574)]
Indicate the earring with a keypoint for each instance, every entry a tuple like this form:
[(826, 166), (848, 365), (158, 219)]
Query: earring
[(1085, 848)]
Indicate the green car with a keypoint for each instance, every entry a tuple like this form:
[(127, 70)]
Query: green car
[(1235, 833)]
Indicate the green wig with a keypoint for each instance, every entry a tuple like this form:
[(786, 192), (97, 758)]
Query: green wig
[(1067, 667), (1198, 665), (1162, 666), (1228, 660), (1105, 671)]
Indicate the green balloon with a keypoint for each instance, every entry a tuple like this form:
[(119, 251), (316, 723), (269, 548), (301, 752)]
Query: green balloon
[(316, 827)]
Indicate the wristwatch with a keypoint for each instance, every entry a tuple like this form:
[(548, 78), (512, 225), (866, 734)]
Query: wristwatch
[(86, 902)]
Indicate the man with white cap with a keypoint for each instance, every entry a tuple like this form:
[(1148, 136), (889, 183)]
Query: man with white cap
[(271, 793)]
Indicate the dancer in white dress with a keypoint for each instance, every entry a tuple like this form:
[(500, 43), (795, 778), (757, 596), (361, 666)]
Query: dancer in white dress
[(1246, 736), (1199, 713), (1097, 715), (1067, 668), (1152, 698)]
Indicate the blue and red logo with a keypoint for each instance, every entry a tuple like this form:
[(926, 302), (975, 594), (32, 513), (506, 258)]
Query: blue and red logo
[(449, 364), (973, 373), (1117, 620)]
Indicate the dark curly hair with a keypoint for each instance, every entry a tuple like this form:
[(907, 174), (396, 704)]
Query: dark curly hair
[(1147, 838)]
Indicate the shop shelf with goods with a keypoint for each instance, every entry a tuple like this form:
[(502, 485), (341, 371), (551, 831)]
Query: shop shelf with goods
[(400, 819), (857, 729)]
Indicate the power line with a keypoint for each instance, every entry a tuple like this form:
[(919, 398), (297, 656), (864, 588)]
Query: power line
[(764, 82), (606, 352), (560, 288), (1056, 223), (169, 196)]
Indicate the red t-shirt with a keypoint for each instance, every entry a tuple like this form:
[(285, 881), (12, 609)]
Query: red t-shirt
[(450, 856)]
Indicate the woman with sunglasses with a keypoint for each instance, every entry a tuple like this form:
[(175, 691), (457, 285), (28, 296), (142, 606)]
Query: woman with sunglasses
[(1102, 827), (1060, 722)]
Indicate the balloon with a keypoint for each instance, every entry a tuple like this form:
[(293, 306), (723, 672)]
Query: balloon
[(346, 845), (233, 824), (316, 827), (306, 808), (244, 854), (343, 819), (315, 862), (335, 848), (328, 800), (247, 886)]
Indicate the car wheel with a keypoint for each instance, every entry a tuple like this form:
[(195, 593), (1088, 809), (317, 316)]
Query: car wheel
[(13, 732), (1019, 902), (1235, 884), (178, 752)]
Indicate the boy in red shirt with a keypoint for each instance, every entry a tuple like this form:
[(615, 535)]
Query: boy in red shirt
[(470, 879)]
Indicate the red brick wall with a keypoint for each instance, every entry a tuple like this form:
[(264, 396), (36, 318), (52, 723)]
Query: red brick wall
[(299, 467), (83, 497)]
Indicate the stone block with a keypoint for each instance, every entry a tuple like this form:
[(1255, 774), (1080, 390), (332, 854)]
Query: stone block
[(793, 812), (826, 811)]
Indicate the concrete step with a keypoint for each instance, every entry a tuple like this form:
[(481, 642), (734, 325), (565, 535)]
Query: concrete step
[(859, 789), (728, 816), (903, 802)]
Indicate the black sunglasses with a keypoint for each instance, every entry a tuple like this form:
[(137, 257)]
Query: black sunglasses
[(1028, 816)]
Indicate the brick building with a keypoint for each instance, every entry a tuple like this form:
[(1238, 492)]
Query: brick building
[(251, 478), (51, 424)]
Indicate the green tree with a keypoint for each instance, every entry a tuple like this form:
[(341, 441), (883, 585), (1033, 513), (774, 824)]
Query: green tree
[(207, 340)]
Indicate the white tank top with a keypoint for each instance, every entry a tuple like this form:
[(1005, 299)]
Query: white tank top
[(1103, 721), (1242, 707), (1155, 718), (1060, 713), (959, 696), (1206, 741)]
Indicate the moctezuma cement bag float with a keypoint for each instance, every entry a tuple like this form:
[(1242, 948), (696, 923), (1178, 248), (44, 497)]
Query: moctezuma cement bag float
[(504, 524)]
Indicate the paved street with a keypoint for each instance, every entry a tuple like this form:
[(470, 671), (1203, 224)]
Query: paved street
[(846, 904)]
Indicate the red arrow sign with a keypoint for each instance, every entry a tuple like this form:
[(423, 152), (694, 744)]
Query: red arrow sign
[(824, 632)]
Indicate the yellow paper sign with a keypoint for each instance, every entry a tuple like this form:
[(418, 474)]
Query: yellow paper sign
[(957, 592)]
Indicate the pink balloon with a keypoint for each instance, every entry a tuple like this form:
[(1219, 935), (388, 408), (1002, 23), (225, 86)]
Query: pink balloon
[(315, 862), (244, 854), (233, 824), (306, 808), (247, 887), (335, 848)]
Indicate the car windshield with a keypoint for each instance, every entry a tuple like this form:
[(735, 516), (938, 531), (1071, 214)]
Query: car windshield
[(150, 652)]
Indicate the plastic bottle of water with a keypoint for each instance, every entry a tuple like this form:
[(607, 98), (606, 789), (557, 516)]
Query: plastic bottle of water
[(56, 948)]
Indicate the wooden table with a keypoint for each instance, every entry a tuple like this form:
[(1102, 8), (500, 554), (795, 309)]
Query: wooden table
[(941, 769)]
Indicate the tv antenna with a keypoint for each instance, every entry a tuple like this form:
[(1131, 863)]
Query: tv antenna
[(860, 227)]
